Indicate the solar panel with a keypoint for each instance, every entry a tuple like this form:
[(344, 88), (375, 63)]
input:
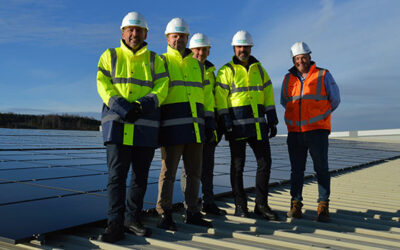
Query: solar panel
[(25, 192), (43, 173), (51, 180), (23, 220)]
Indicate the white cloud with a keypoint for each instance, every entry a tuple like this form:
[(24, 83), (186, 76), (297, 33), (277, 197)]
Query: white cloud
[(358, 42)]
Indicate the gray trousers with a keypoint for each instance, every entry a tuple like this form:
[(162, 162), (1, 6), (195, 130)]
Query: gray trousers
[(192, 159)]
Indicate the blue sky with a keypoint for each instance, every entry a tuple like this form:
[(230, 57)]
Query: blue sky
[(50, 49)]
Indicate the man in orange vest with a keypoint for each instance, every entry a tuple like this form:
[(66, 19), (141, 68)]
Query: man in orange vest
[(309, 96)]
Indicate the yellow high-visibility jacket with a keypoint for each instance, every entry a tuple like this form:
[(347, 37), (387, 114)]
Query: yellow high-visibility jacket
[(124, 77), (210, 69), (189, 106), (246, 97)]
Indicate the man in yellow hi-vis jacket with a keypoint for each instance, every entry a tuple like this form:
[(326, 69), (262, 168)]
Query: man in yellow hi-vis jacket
[(244, 96), (132, 82), (187, 120), (201, 46)]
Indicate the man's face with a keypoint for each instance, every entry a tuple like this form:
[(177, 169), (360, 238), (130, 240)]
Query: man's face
[(134, 36), (242, 52), (201, 53), (177, 41), (302, 63)]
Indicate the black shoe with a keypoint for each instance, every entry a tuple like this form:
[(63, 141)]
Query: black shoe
[(196, 219), (114, 232), (213, 209), (137, 228), (266, 212), (242, 211), (166, 222)]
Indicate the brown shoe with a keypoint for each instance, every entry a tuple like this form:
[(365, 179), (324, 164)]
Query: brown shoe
[(323, 211), (295, 210)]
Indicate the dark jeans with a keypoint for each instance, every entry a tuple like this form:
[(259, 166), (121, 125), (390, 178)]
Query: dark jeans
[(316, 142), (119, 159), (207, 173), (262, 153)]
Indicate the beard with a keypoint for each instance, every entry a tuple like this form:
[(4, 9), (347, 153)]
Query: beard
[(244, 56)]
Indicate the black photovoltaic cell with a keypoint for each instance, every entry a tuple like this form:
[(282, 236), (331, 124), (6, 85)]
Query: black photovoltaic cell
[(22, 192), (43, 173), (78, 183), (24, 220), (7, 165), (52, 195)]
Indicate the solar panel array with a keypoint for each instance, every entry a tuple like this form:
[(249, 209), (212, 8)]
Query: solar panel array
[(52, 180)]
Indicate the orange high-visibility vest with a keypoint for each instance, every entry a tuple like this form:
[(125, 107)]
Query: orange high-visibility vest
[(307, 106)]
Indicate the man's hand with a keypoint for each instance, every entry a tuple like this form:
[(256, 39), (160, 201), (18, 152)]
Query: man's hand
[(210, 136), (272, 131), (227, 126), (134, 113)]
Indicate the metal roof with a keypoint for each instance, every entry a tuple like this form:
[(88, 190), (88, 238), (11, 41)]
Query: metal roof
[(364, 211)]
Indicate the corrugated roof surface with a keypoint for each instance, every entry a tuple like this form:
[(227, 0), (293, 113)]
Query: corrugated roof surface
[(364, 210)]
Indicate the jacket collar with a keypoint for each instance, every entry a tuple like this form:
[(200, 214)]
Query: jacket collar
[(208, 64), (141, 49), (252, 60), (176, 53)]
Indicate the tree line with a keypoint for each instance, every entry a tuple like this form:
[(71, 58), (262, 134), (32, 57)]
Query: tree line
[(64, 121)]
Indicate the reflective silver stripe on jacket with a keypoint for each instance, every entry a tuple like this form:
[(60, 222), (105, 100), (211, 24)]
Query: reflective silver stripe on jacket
[(290, 122), (209, 114), (222, 85), (165, 64), (301, 123), (308, 97), (268, 108), (154, 97), (312, 120), (105, 72), (184, 83), (140, 122), (261, 72), (112, 100), (147, 123), (160, 75), (235, 89), (152, 59), (113, 61), (132, 80), (320, 117), (223, 111), (182, 121), (249, 121)]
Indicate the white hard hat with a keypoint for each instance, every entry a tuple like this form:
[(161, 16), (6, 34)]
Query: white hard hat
[(299, 48), (177, 25), (242, 38), (134, 19), (199, 40)]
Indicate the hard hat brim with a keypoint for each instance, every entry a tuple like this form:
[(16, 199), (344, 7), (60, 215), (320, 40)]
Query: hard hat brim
[(123, 27)]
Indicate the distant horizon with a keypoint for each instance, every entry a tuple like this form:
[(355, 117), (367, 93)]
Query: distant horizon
[(97, 116)]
